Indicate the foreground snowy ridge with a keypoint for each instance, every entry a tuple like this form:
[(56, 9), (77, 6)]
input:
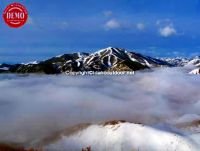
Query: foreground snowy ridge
[(195, 71), (122, 137)]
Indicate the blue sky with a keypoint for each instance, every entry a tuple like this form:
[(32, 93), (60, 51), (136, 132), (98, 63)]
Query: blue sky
[(152, 27)]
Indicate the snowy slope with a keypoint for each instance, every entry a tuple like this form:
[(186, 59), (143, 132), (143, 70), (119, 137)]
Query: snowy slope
[(31, 63), (4, 67), (122, 137), (178, 61), (181, 61), (111, 58), (195, 71), (195, 61)]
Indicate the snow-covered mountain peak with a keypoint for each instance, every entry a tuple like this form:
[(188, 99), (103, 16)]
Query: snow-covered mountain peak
[(109, 51)]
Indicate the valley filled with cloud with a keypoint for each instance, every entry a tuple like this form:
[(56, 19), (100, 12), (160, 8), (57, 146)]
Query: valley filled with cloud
[(36, 107)]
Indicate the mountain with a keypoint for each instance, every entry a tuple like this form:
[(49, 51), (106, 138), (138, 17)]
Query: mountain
[(178, 61), (194, 61), (195, 71), (108, 59), (116, 136), (119, 136), (5, 67)]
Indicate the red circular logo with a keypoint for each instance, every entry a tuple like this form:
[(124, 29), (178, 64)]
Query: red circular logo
[(15, 15)]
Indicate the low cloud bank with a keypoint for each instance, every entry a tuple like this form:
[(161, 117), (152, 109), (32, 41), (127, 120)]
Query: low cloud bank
[(34, 107)]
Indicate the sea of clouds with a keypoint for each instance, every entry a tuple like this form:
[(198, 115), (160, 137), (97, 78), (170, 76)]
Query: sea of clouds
[(36, 106)]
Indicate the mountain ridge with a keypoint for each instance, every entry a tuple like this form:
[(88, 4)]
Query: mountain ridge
[(108, 59)]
